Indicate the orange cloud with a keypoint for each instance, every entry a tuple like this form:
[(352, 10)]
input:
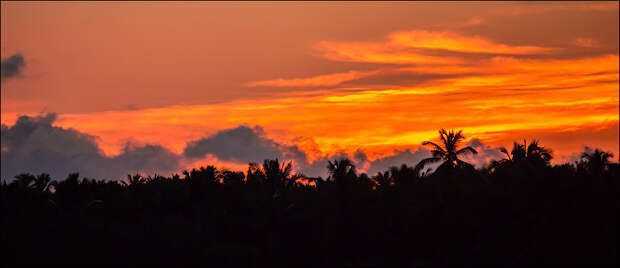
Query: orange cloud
[(497, 98), (322, 80), (376, 53), (397, 48), (455, 42)]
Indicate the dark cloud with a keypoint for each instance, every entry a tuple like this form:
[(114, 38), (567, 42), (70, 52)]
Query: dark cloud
[(12, 66), (34, 145), (485, 154), (148, 158), (318, 167), (411, 158), (363, 164), (242, 144), (246, 144)]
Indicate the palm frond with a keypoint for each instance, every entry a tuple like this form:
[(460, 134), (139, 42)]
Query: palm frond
[(426, 161), (435, 145)]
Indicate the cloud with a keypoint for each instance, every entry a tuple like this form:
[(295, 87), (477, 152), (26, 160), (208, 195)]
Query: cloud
[(318, 167), (377, 53), (408, 157), (12, 66), (242, 144), (245, 144), (422, 47), (413, 157), (321, 80), (34, 145), (401, 77), (459, 43), (485, 154)]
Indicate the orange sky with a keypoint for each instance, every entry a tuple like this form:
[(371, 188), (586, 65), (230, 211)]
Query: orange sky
[(328, 77)]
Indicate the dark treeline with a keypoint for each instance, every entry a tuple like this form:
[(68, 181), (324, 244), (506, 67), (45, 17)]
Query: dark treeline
[(517, 211)]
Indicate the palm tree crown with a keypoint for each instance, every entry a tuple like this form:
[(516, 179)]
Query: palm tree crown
[(597, 161), (341, 171), (532, 154), (450, 151)]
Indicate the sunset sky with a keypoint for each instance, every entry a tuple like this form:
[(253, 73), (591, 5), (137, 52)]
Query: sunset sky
[(162, 86)]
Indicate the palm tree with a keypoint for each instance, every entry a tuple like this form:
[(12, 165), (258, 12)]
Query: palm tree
[(254, 175), (518, 152), (404, 175), (538, 155), (524, 154), (272, 172), (135, 180), (199, 177), (449, 153), (232, 177), (42, 183), (24, 181), (597, 161), (341, 171), (383, 180)]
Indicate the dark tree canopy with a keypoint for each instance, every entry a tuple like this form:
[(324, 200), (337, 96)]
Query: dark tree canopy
[(520, 210)]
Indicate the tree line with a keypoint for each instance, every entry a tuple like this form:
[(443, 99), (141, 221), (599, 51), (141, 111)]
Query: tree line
[(520, 210)]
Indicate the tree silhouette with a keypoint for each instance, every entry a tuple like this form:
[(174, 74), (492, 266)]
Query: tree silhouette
[(525, 211), (449, 153), (404, 176), (383, 180), (597, 161), (532, 156), (276, 174), (341, 171)]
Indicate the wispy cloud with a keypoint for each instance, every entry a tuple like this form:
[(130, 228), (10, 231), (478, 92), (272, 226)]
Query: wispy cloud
[(321, 80), (421, 47), (458, 43)]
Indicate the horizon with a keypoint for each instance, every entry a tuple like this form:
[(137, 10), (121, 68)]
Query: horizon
[(113, 88)]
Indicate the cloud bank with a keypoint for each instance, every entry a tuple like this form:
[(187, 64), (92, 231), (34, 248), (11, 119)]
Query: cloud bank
[(242, 144), (34, 145)]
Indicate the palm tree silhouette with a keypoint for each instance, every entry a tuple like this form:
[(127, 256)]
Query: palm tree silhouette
[(277, 174), (404, 175), (597, 161), (383, 180), (24, 181), (524, 154), (341, 171), (537, 154), (449, 154), (42, 183)]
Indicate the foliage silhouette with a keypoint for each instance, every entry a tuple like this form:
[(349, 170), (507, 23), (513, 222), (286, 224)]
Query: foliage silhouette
[(597, 162), (520, 210), (449, 153)]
